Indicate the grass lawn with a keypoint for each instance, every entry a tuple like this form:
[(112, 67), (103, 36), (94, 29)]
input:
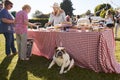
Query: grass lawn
[(36, 68)]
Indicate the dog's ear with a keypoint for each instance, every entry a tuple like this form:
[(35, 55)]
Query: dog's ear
[(63, 51), (56, 47), (56, 51)]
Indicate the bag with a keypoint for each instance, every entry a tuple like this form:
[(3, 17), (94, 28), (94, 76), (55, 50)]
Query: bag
[(29, 47)]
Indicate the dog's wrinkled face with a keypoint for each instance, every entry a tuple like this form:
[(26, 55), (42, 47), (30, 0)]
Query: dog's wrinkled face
[(59, 52)]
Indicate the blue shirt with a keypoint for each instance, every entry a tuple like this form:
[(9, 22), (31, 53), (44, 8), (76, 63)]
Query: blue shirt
[(6, 27)]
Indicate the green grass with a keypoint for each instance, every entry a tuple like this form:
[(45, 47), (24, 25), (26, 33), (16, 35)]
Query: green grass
[(36, 68)]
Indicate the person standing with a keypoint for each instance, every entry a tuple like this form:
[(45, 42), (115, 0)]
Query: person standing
[(117, 25), (7, 24), (109, 18), (21, 25), (68, 19), (1, 5), (57, 16)]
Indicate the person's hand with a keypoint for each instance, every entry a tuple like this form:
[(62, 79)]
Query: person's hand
[(37, 24), (46, 25), (13, 21), (32, 24)]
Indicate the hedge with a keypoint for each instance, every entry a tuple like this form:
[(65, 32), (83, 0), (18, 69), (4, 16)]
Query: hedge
[(42, 21)]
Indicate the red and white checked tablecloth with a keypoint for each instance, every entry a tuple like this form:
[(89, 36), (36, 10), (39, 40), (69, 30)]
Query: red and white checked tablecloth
[(92, 50), (106, 52)]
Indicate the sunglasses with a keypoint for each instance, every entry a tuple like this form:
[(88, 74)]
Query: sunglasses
[(11, 5)]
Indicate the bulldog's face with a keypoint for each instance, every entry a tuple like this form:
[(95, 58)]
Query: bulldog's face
[(59, 52)]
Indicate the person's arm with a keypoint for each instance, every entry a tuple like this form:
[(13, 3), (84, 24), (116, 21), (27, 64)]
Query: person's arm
[(29, 23), (5, 20), (4, 17), (119, 16), (47, 24), (26, 21), (64, 16), (50, 21)]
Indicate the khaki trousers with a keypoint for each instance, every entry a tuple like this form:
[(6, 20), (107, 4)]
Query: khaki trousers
[(117, 26), (22, 45)]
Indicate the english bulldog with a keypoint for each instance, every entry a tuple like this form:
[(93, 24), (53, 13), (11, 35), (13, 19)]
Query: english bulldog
[(62, 59)]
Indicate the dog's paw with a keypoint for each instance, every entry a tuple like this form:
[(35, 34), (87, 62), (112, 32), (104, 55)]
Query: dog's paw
[(65, 71), (61, 72), (49, 67)]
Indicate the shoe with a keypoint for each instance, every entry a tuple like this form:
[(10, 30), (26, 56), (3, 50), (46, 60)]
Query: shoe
[(27, 59), (21, 59), (9, 55), (15, 53)]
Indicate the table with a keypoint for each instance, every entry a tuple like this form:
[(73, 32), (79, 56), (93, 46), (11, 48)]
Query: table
[(91, 50)]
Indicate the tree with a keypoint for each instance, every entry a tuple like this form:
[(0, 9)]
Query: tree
[(102, 13), (13, 13), (100, 8), (88, 12), (37, 14), (66, 5)]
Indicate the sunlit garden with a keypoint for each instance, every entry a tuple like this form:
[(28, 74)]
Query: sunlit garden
[(92, 23), (37, 68)]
